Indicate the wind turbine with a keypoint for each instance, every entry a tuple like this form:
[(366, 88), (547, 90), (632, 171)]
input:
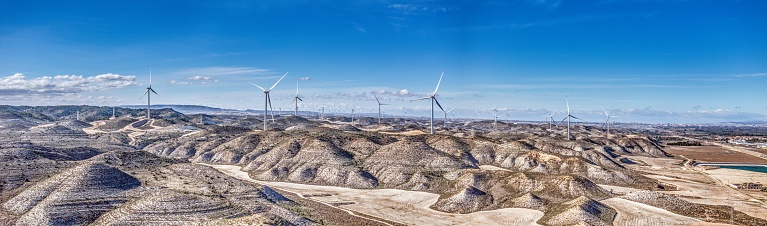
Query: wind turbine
[(444, 123), (296, 98), (495, 118), (352, 114), (568, 118), (267, 99), (379, 108), (433, 97), (113, 112), (607, 121), (149, 95), (550, 118)]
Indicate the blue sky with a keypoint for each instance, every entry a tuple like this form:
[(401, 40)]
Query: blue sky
[(647, 61)]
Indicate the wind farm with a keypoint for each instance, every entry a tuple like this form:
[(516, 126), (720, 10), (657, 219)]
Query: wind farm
[(666, 126)]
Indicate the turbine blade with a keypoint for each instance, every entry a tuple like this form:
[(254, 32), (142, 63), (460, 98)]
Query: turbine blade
[(269, 99), (563, 120), (153, 91), (379, 102), (258, 86), (576, 118), (440, 81), (150, 76), (568, 105), (299, 98), (438, 105), (142, 96), (291, 102), (278, 81), (422, 98)]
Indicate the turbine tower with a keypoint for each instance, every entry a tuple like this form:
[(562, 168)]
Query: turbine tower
[(149, 95), (607, 121), (433, 97), (267, 99), (379, 108), (296, 98), (495, 118), (444, 122), (568, 117), (113, 112), (550, 118)]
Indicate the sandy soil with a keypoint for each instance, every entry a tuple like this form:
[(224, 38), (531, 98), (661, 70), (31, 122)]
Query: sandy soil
[(733, 176), (93, 129), (737, 176), (408, 207), (618, 190), (714, 154), (634, 213), (695, 185), (714, 194)]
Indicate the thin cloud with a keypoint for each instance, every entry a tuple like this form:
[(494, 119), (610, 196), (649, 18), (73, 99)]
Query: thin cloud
[(359, 27), (228, 73), (18, 84)]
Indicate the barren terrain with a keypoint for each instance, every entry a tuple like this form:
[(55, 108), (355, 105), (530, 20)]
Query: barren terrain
[(714, 154), (305, 171)]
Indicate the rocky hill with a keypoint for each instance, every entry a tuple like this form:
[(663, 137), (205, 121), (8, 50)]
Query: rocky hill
[(551, 170)]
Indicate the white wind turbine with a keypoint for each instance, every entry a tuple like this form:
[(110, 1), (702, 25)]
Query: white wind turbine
[(149, 95), (495, 118), (444, 122), (296, 98), (433, 97), (568, 118), (550, 118), (379, 108), (607, 121), (267, 99)]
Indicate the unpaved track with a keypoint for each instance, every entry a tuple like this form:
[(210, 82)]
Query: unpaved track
[(634, 213), (408, 207)]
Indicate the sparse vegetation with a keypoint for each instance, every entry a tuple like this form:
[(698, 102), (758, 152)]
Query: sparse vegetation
[(142, 170)]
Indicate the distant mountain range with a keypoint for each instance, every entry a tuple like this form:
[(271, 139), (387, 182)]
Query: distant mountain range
[(190, 109)]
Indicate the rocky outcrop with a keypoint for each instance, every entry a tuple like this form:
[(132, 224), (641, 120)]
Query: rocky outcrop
[(580, 211), (77, 196)]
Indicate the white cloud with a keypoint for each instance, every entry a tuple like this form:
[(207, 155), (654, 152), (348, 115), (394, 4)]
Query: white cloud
[(203, 80), (199, 77), (226, 73), (178, 82), (18, 84)]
